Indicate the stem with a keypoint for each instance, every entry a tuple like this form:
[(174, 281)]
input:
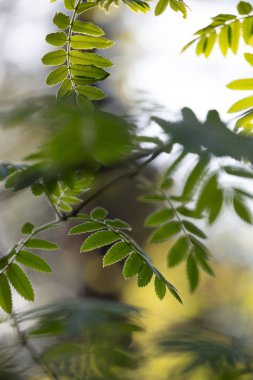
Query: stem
[(68, 43), (129, 174)]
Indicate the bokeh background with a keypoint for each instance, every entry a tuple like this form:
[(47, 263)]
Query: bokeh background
[(149, 77)]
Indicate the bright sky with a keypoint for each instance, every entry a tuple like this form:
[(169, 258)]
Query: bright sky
[(177, 80)]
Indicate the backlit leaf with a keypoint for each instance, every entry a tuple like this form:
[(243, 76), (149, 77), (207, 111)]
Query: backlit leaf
[(159, 217), (144, 276), (99, 213), (61, 20), (33, 261), (83, 58), (87, 28), (57, 39), (87, 42), (41, 244), (241, 105), (99, 239), (178, 252), (116, 253), (20, 281), (166, 232), (86, 227), (92, 93), (54, 58), (160, 288), (56, 76), (5, 294), (132, 265)]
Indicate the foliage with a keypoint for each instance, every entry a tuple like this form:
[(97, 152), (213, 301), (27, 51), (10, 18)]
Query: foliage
[(83, 143), (227, 30)]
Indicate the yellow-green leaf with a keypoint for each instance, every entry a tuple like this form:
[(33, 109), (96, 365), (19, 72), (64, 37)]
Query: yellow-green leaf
[(241, 84), (5, 294), (56, 76), (241, 105)]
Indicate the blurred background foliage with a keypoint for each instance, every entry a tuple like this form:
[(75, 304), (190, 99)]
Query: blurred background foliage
[(211, 335)]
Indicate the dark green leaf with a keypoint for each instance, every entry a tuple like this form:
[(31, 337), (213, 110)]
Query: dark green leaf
[(86, 227), (159, 217), (241, 209), (20, 281), (244, 8), (99, 239), (41, 244), (194, 229), (27, 228), (192, 273), (118, 224), (132, 265), (166, 232), (98, 213), (195, 177), (116, 253), (239, 172), (151, 198), (144, 276), (92, 93), (33, 261), (5, 294), (160, 287), (178, 252)]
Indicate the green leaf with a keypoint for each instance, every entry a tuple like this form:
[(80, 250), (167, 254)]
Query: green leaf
[(151, 198), (99, 213), (188, 212), (241, 84), (201, 45), (203, 262), (132, 265), (37, 189), (159, 217), (235, 36), (178, 252), (92, 93), (57, 76), (247, 30), (87, 28), (211, 39), (61, 20), (241, 209), (41, 244), (85, 74), (118, 224), (216, 208), (207, 194), (116, 253), (161, 6), (5, 294), (238, 172), (224, 39), (166, 232), (33, 261), (54, 58), (99, 239), (241, 105), (160, 287), (83, 7), (70, 4), (83, 58), (194, 229), (144, 276), (192, 273), (20, 281), (86, 227), (249, 58), (57, 39), (244, 8), (27, 228), (65, 90), (195, 177), (188, 45), (87, 42)]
